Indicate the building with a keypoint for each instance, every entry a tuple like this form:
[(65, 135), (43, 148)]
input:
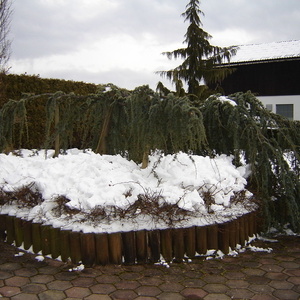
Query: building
[(272, 72)]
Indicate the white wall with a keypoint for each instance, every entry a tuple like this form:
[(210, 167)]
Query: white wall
[(295, 99)]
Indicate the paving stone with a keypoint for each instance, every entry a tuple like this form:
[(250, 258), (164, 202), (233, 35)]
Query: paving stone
[(131, 276), (24, 296), (5, 274), (254, 272), (97, 297), (123, 295), (257, 279), (284, 258), (83, 281), (214, 279), (9, 291), (215, 288), (193, 293), (106, 278), (148, 291), (52, 295), (276, 276), (10, 266), (294, 280), (78, 292), (268, 261), (59, 285), (34, 288), (170, 296), (286, 295), (264, 297), (49, 270), (134, 268), (240, 294), (145, 298), (172, 277), (127, 285), (193, 283), (289, 265), (234, 275), (152, 272), (293, 272), (171, 287), (16, 281), (26, 272), (40, 278), (281, 284), (272, 268), (236, 283), (216, 297), (261, 288), (193, 274), (150, 281), (103, 288), (66, 276)]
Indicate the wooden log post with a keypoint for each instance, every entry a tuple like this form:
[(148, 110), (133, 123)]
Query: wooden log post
[(65, 251), (46, 239), (2, 227), (129, 251), (166, 244), (246, 222), (19, 232), (102, 249), (237, 231), (27, 227), (115, 248), (141, 246), (212, 236), (55, 242), (242, 231), (201, 240), (178, 244), (251, 224), (36, 237), (232, 234), (75, 247), (10, 229), (223, 237), (88, 249), (190, 241), (154, 245)]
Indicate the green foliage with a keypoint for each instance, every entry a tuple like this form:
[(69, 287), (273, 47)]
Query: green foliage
[(247, 130), (132, 123), (199, 57)]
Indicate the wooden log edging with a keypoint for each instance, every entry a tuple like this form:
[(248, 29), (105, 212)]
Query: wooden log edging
[(128, 247)]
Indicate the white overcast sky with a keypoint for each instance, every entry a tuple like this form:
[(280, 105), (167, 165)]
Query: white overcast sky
[(121, 41)]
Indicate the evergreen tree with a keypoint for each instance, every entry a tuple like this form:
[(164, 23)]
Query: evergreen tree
[(200, 57)]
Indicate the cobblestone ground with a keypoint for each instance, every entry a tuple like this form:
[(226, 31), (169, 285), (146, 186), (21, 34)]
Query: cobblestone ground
[(250, 275)]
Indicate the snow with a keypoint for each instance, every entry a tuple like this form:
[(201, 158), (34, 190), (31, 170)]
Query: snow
[(90, 181), (267, 51)]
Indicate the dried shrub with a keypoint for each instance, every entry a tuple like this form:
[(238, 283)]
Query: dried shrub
[(25, 196), (63, 208)]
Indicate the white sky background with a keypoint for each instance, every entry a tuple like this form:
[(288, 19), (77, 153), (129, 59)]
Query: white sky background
[(121, 41)]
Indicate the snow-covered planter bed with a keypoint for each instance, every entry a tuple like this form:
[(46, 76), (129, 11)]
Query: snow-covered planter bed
[(134, 213)]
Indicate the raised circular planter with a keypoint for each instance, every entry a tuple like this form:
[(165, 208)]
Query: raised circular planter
[(128, 247)]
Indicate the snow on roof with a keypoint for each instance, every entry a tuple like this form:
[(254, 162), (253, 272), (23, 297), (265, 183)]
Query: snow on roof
[(267, 51)]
